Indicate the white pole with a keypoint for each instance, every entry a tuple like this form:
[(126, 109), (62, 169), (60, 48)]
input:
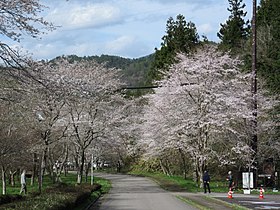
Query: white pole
[(91, 166)]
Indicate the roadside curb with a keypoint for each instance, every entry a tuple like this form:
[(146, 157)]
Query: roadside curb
[(94, 201), (206, 202), (203, 202)]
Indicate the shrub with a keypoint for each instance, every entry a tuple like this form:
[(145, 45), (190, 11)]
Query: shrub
[(58, 197), (9, 198)]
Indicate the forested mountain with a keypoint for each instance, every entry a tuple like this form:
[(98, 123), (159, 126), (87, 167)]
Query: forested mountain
[(181, 37), (134, 71)]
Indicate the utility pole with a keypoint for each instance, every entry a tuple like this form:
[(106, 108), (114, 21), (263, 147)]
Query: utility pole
[(254, 140)]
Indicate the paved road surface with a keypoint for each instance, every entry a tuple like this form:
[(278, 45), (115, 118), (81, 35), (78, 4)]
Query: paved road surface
[(252, 201), (249, 201), (137, 193)]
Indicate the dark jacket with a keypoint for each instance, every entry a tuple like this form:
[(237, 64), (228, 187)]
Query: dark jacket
[(206, 177)]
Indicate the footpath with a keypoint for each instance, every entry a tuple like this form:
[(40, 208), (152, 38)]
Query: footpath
[(220, 201)]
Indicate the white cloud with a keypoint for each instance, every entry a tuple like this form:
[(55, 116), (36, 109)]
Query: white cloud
[(46, 50), (129, 28), (77, 16), (120, 45), (201, 2), (205, 28)]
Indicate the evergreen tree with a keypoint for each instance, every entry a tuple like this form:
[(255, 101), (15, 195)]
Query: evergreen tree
[(268, 30), (235, 31), (181, 36)]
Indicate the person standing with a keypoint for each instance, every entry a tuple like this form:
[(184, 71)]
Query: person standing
[(206, 181), (23, 182), (230, 180)]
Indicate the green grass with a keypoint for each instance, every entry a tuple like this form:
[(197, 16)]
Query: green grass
[(179, 184), (106, 186), (192, 203), (70, 178), (233, 206), (67, 195), (221, 204)]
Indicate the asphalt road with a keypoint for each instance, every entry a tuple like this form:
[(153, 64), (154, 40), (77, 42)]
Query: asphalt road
[(253, 201), (137, 193)]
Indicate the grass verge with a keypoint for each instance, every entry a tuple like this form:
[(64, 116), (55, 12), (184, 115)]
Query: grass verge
[(192, 203), (66, 195), (179, 184), (106, 186), (233, 206)]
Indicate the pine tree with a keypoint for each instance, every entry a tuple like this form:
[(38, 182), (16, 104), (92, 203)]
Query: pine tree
[(181, 36), (268, 30), (235, 31)]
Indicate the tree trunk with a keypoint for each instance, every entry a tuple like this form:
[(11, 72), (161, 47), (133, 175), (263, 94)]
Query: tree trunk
[(62, 166), (164, 168), (44, 162), (200, 171), (12, 178), (34, 170), (50, 164), (201, 160), (65, 170), (4, 187), (41, 172), (195, 175), (200, 174), (81, 167), (87, 171), (184, 163), (76, 159)]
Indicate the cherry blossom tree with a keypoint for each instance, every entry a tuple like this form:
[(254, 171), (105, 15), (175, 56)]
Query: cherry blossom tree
[(123, 131), (14, 140), (204, 97), (68, 104), (20, 17), (89, 92), (73, 106)]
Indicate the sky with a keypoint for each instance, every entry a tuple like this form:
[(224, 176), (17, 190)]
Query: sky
[(126, 28)]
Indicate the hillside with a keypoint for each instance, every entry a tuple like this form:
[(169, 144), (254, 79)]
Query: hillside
[(134, 71)]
